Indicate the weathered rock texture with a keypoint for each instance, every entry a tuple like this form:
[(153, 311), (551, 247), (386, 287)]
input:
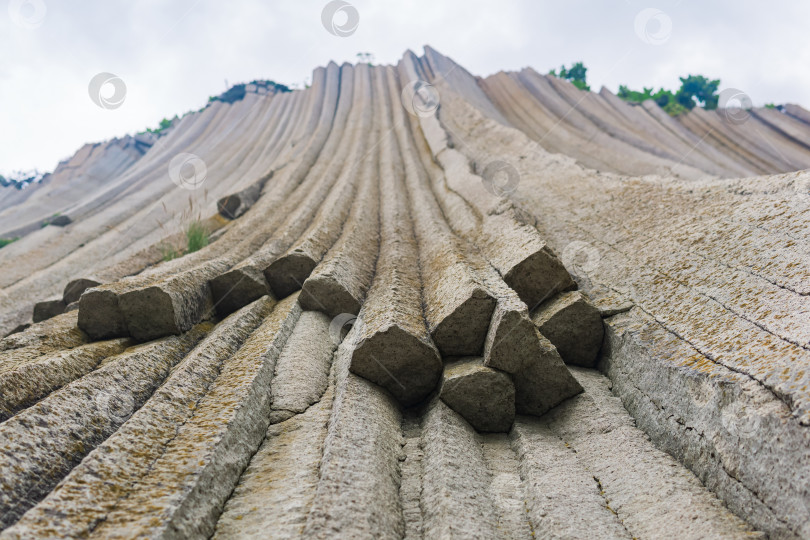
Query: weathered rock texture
[(384, 339)]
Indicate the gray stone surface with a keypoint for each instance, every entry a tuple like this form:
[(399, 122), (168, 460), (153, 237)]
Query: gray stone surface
[(358, 485), (302, 369), (94, 488), (651, 495), (276, 491), (455, 499), (40, 445), (701, 322), (27, 382), (254, 431)]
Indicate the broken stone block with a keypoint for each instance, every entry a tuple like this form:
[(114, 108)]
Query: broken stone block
[(100, 315), (234, 205), (573, 325), (48, 308), (61, 221), (75, 288), (485, 397)]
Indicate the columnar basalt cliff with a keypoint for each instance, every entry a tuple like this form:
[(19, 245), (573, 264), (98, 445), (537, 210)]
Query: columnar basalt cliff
[(432, 306)]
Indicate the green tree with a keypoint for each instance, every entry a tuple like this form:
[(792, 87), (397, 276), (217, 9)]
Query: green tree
[(694, 90), (698, 90), (634, 95), (664, 98), (365, 57), (576, 74)]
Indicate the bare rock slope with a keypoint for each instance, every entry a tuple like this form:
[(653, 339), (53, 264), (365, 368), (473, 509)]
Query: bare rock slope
[(424, 314)]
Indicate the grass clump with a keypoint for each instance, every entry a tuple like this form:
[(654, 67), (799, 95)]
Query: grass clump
[(197, 236), (6, 241), (169, 253)]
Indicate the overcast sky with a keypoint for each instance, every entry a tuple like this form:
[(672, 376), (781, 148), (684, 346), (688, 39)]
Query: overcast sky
[(173, 55)]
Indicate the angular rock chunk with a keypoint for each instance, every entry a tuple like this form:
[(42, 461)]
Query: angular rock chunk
[(170, 306), (524, 260), (514, 345), (544, 382), (393, 347), (61, 221), (288, 273), (234, 205), (99, 314), (238, 287), (485, 397), (573, 325), (75, 288), (48, 308)]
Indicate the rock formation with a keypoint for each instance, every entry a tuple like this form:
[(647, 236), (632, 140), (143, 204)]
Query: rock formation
[(464, 308)]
